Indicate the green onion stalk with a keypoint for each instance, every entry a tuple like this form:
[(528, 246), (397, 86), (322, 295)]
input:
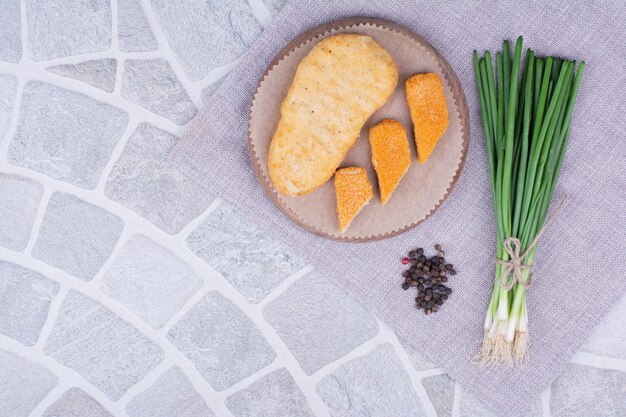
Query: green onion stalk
[(526, 111)]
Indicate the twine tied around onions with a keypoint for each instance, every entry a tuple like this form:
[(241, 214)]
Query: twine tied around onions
[(515, 265)]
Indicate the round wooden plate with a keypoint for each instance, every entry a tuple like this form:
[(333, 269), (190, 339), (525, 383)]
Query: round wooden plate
[(424, 187)]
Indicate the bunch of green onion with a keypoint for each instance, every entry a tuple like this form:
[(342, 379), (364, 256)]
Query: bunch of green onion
[(526, 114)]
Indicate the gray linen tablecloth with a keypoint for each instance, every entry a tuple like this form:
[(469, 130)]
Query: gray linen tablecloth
[(581, 260)]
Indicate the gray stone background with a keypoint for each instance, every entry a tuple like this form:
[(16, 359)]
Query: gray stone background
[(126, 290)]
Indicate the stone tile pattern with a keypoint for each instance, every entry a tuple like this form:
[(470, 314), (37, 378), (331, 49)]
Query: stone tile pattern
[(250, 259), (274, 6), (375, 385), (151, 83), (205, 35), (417, 358), (470, 406), (224, 344), (71, 140), (25, 298), (275, 395), (99, 73), (76, 236), (440, 390), (144, 181), (150, 280), (318, 322), (23, 384), (107, 351), (133, 30), (19, 199), (609, 338), (10, 31), (76, 403), (171, 395), (58, 28), (8, 89), (207, 93), (64, 134), (583, 391)]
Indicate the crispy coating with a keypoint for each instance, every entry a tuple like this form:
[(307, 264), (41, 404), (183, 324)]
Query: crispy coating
[(337, 86), (353, 191), (427, 103), (391, 156)]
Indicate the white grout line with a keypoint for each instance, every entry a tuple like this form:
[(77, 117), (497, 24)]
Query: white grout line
[(17, 103), (193, 88), (284, 285), (38, 73), (39, 216), (120, 61), (360, 351), (53, 312), (284, 358), (67, 377), (130, 217), (115, 48), (204, 289), (93, 56), (430, 372), (167, 54), (172, 355), (414, 375), (175, 358), (114, 31), (596, 361), (456, 405), (260, 12), (24, 32), (133, 123), (54, 395), (96, 281), (545, 402), (216, 74), (195, 223)]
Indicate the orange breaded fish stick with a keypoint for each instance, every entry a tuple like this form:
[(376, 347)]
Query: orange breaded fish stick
[(353, 191), (391, 156), (429, 112)]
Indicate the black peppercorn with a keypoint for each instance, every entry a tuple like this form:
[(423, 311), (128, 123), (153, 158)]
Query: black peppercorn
[(428, 274)]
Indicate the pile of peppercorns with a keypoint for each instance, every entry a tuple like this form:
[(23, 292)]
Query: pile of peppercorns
[(428, 275)]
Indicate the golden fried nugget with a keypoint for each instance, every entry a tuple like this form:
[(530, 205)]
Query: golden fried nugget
[(391, 156), (337, 86), (353, 191), (427, 103)]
